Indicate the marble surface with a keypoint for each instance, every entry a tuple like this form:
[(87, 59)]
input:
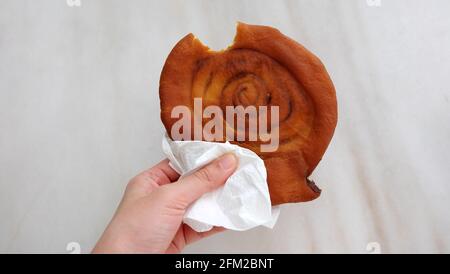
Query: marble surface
[(79, 116)]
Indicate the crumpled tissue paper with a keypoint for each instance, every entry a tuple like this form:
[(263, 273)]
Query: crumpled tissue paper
[(242, 203)]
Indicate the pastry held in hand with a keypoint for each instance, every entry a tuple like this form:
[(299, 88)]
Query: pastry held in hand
[(242, 203), (262, 67)]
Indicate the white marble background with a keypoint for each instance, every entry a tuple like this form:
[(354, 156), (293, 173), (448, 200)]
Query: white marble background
[(79, 116)]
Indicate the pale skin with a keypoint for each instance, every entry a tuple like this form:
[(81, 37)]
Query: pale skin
[(149, 217)]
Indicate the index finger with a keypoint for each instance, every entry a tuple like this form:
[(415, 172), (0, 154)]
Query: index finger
[(162, 173)]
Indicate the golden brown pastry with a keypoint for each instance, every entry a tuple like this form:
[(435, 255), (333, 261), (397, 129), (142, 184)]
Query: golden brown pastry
[(262, 67)]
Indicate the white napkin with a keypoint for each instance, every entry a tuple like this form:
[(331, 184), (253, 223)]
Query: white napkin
[(242, 203)]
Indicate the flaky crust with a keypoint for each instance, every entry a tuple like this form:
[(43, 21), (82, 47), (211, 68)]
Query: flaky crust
[(271, 69)]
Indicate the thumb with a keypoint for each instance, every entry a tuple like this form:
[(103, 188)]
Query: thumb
[(205, 179)]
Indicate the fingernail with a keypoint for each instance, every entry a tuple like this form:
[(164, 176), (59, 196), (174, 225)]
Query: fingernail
[(227, 161)]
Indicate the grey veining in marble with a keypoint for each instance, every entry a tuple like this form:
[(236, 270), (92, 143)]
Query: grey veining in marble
[(79, 116)]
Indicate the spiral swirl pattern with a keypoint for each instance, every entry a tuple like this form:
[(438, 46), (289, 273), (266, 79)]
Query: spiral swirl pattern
[(243, 77)]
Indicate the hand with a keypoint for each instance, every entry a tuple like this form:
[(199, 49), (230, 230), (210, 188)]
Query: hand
[(149, 217)]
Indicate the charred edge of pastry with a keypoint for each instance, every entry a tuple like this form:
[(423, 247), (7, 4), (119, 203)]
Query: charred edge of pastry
[(313, 186)]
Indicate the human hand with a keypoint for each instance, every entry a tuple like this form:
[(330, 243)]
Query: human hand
[(149, 217)]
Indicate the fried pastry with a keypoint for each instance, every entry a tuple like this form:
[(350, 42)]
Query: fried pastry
[(262, 67)]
